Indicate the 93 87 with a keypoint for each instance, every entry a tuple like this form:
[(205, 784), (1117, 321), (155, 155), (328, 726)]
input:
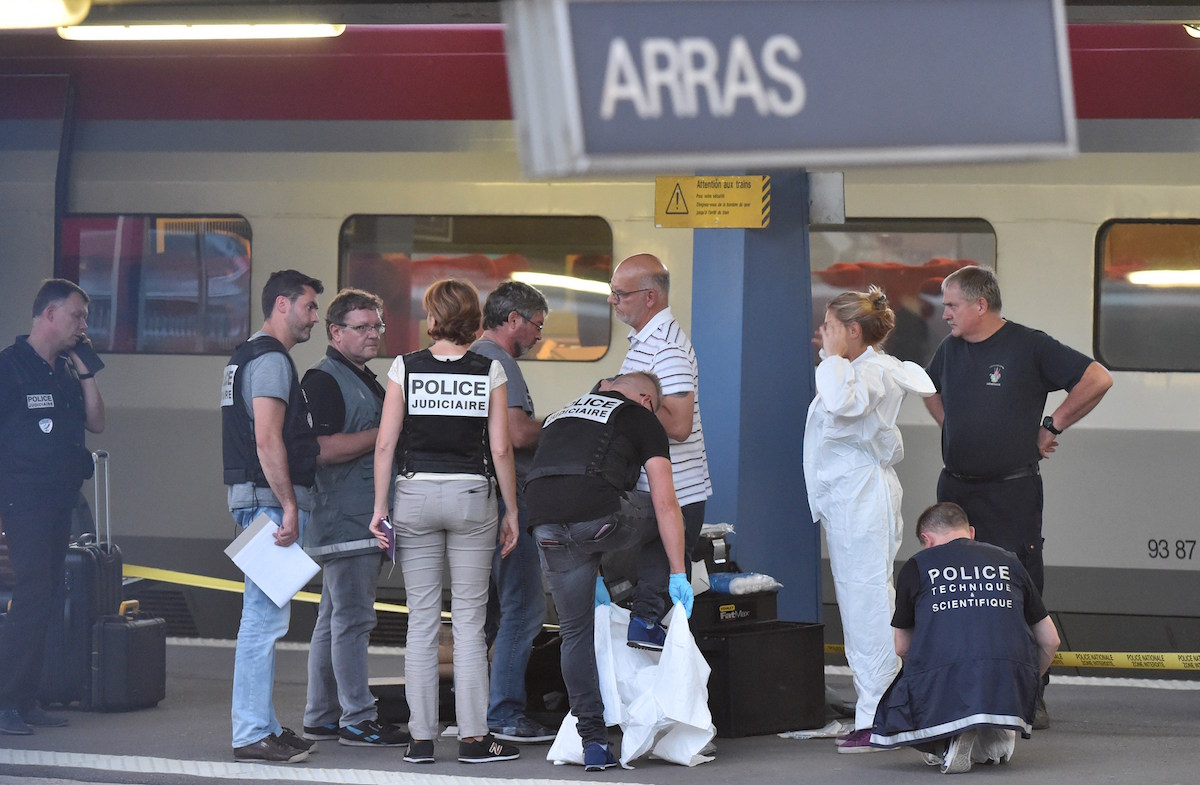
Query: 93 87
[(1171, 549)]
